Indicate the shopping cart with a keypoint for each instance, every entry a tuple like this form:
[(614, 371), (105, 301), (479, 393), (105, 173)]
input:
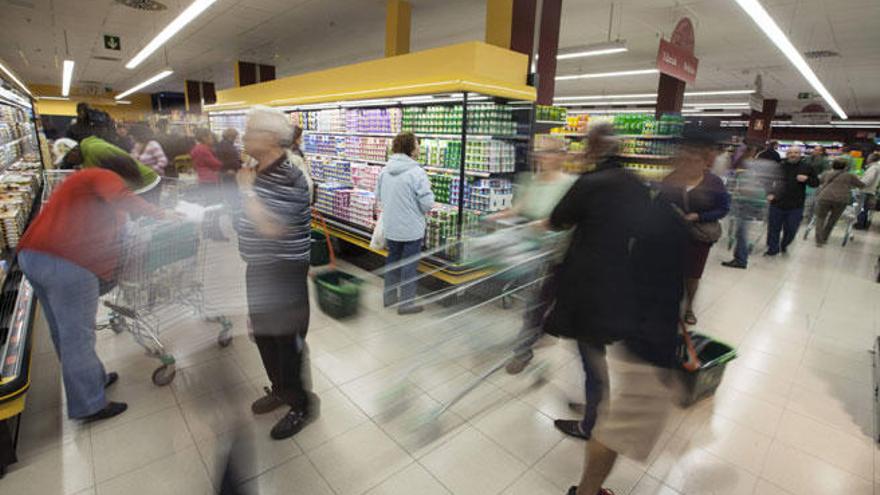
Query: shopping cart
[(749, 205), (514, 259), (161, 282)]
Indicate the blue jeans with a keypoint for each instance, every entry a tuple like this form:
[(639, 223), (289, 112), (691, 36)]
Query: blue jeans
[(399, 282), (68, 294), (741, 249), (595, 382), (784, 221)]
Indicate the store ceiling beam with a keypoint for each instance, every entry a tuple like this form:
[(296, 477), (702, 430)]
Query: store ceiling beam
[(398, 25)]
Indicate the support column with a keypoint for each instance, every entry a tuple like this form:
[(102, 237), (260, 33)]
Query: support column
[(670, 95), (760, 123), (192, 96), (397, 27), (548, 46), (245, 73), (510, 24)]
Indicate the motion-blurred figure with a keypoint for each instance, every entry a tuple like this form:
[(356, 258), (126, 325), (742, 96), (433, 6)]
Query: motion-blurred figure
[(770, 152), (230, 156), (818, 159), (787, 204), (147, 149), (703, 200), (749, 187), (404, 191), (537, 195), (871, 178), (619, 295), (834, 195), (94, 150), (208, 170), (274, 240), (69, 252)]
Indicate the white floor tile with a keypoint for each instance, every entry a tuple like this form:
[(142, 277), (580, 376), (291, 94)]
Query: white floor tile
[(694, 471), (180, 472), (521, 429), (413, 479), (295, 477), (532, 483), (803, 474), (359, 460), (472, 464), (852, 454), (249, 450), (338, 415), (66, 469)]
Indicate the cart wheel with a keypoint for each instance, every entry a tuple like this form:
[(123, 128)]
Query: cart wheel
[(506, 302), (118, 324), (164, 375)]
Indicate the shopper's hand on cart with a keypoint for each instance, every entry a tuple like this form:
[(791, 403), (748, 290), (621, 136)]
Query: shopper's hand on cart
[(692, 217), (802, 178)]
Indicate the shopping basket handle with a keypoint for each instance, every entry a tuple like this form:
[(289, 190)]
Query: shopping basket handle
[(317, 214), (693, 362)]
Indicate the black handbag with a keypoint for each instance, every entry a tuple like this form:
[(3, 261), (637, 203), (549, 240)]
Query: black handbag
[(708, 232)]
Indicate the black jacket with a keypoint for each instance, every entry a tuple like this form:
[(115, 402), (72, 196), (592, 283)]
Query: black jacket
[(228, 155), (601, 282), (770, 154), (789, 193)]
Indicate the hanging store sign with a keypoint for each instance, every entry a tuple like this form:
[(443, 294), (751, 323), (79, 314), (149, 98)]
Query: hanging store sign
[(112, 42), (676, 57), (756, 102), (810, 118)]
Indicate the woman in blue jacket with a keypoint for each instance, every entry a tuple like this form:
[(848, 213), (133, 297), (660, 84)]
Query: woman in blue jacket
[(404, 192), (702, 198)]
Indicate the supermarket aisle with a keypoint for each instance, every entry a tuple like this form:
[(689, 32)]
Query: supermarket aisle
[(792, 417)]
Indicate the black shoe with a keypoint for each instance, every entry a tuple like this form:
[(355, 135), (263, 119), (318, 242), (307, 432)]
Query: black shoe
[(571, 428), (410, 309), (267, 403), (734, 264), (112, 378), (572, 491), (291, 424), (770, 253), (110, 410), (519, 362)]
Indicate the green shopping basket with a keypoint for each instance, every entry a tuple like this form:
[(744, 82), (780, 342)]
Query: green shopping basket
[(339, 293)]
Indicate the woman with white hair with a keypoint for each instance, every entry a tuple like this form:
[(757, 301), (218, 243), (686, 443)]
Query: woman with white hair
[(274, 241)]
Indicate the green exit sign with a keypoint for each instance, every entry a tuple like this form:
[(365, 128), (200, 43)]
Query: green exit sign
[(805, 96), (112, 42)]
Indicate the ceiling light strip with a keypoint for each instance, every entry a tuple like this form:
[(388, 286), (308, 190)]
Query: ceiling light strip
[(66, 77), (763, 20), (15, 79), (185, 17), (157, 77), (595, 75), (591, 53)]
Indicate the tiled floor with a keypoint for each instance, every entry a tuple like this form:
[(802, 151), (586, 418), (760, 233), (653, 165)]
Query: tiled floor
[(793, 415)]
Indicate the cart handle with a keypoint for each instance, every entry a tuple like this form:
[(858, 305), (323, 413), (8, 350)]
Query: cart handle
[(693, 362), (317, 214)]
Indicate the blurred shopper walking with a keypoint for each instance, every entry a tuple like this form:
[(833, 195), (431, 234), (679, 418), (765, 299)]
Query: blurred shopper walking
[(787, 197), (834, 195), (749, 186), (208, 170), (818, 159), (228, 153), (537, 195), (404, 191), (274, 240), (770, 152), (871, 178), (147, 149), (703, 200), (72, 250)]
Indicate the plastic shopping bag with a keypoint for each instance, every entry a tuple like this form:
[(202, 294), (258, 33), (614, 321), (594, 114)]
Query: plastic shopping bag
[(377, 241)]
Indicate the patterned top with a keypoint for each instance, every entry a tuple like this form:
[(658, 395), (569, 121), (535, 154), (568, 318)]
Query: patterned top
[(284, 191), (152, 156)]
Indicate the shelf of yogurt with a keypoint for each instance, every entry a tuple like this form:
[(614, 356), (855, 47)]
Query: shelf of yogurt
[(219, 122), (19, 184)]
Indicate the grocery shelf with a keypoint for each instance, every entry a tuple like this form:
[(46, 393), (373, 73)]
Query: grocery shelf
[(11, 143), (337, 157), (473, 173), (419, 134), (646, 136), (644, 157), (551, 122)]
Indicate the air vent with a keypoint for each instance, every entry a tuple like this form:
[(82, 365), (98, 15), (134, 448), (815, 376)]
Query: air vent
[(107, 59), (814, 54), (148, 5)]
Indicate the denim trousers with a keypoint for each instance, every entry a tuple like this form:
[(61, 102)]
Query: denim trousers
[(741, 248), (785, 222), (400, 282), (68, 294), (595, 382)]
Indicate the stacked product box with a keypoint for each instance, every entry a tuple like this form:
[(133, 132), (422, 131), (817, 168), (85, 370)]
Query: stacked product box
[(490, 195), (490, 156), (365, 176), (491, 118), (367, 148), (442, 227), (329, 120), (442, 153), (361, 205), (338, 171), (17, 192), (433, 119), (446, 188), (324, 144), (342, 204), (373, 120), (647, 146)]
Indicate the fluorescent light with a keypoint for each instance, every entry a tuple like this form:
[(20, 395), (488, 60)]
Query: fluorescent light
[(594, 75), (763, 20), (602, 97), (185, 17), (157, 77), (605, 103), (123, 102), (66, 77), (608, 111), (15, 79), (720, 93), (58, 98), (711, 114), (593, 50), (717, 105)]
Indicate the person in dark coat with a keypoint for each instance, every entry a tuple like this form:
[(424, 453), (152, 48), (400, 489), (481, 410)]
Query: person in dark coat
[(787, 197), (770, 153), (702, 198)]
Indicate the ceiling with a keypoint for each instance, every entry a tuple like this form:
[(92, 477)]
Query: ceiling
[(298, 36)]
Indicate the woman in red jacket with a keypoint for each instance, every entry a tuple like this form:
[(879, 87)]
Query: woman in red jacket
[(67, 252), (208, 170)]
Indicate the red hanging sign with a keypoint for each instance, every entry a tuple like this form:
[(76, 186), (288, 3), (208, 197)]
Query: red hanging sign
[(676, 58)]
